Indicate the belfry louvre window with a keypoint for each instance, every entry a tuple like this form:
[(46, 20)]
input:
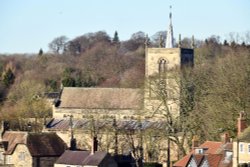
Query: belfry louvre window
[(162, 66)]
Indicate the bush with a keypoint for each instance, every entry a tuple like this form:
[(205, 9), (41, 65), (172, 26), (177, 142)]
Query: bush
[(152, 164)]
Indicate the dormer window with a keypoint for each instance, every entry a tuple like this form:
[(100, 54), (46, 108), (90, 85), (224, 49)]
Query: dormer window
[(200, 150)]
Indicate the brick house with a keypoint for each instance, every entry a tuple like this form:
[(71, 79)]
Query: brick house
[(209, 154), (30, 149)]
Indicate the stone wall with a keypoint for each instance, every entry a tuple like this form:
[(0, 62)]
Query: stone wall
[(21, 156)]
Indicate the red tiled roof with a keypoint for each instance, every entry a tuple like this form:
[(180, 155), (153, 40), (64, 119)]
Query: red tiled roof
[(183, 162), (211, 146), (213, 159), (198, 158)]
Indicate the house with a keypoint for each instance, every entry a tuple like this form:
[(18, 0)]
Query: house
[(31, 149), (209, 154), (80, 158), (76, 158), (241, 146)]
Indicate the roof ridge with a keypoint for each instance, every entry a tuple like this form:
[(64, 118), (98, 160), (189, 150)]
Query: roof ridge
[(99, 88)]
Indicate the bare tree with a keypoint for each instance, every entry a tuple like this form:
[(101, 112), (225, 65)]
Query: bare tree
[(58, 45)]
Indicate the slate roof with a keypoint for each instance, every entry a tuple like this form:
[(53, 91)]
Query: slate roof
[(82, 158), (64, 124), (101, 98), (38, 144), (45, 144)]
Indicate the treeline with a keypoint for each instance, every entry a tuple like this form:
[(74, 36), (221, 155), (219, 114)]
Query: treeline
[(90, 60)]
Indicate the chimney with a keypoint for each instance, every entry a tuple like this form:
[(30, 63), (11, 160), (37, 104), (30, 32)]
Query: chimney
[(5, 126), (242, 123), (5, 145), (73, 144), (225, 138), (95, 145), (195, 142)]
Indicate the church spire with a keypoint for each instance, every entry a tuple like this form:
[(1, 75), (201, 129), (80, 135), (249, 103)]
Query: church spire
[(170, 36)]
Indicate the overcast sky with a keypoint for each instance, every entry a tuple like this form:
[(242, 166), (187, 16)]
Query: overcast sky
[(28, 25)]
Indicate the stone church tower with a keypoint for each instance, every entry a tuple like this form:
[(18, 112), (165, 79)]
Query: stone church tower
[(162, 90)]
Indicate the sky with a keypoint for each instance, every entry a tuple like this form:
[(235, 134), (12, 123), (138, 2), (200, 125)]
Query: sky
[(28, 25)]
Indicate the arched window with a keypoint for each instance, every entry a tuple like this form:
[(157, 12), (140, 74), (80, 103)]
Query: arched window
[(162, 66)]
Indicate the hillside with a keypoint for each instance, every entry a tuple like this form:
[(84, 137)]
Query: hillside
[(221, 76)]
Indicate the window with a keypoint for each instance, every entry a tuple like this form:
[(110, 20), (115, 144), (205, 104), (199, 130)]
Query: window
[(8, 159), (1, 156), (22, 156), (241, 147), (162, 66)]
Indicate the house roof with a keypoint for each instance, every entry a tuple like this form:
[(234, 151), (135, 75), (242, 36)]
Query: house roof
[(45, 144), (38, 144), (212, 148), (101, 98), (95, 159), (183, 162), (70, 157), (198, 158), (13, 138), (214, 159)]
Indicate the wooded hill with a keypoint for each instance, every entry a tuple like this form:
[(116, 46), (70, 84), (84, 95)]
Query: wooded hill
[(221, 76)]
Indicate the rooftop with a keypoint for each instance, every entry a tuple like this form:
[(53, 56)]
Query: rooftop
[(101, 98), (70, 157), (213, 154), (39, 144)]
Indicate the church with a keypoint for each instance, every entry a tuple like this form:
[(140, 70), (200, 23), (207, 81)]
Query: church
[(127, 121), (128, 103)]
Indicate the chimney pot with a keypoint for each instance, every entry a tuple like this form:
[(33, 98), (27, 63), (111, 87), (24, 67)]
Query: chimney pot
[(225, 138), (195, 142)]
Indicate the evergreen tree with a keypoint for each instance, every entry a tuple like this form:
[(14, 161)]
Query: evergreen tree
[(40, 52), (116, 38), (225, 43), (8, 77), (69, 82)]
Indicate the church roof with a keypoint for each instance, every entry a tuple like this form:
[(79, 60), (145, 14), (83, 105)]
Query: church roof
[(101, 98), (64, 124)]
